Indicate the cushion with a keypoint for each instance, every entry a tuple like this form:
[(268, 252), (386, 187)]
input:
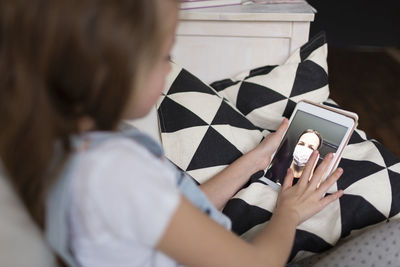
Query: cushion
[(202, 132), (267, 94), (21, 242)]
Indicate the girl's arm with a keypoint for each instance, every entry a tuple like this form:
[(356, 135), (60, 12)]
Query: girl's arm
[(220, 188), (192, 239)]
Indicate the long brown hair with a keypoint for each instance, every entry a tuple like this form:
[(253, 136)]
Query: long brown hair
[(60, 61)]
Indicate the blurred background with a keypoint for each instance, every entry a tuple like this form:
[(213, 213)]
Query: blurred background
[(364, 62)]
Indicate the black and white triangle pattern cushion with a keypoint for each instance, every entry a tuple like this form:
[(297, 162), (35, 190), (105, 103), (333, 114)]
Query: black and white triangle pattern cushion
[(201, 132), (267, 94)]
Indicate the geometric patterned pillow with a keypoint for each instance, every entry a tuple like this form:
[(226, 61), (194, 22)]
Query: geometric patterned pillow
[(201, 132), (265, 95)]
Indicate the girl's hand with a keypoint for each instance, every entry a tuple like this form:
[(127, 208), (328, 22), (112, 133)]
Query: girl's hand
[(306, 198), (264, 151)]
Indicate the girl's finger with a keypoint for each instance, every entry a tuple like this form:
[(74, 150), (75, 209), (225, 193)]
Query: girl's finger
[(323, 188), (288, 182), (282, 127), (320, 171), (273, 140), (308, 169), (328, 199)]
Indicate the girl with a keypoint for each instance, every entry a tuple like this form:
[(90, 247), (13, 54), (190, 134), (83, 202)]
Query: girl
[(71, 70)]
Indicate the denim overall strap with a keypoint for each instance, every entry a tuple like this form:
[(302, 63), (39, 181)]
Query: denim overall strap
[(57, 219), (193, 193), (142, 138)]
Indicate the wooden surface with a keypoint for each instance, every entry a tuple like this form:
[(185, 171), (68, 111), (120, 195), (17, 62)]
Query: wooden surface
[(253, 12), (368, 83)]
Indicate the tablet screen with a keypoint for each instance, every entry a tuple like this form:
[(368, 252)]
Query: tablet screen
[(305, 134)]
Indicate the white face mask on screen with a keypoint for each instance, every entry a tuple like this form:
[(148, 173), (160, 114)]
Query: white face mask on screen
[(301, 155)]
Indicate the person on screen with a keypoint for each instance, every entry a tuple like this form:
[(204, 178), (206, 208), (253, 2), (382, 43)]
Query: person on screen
[(308, 141)]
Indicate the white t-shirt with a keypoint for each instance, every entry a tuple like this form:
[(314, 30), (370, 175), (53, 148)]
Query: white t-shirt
[(123, 198)]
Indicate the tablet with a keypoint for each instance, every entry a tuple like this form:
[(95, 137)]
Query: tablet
[(311, 127)]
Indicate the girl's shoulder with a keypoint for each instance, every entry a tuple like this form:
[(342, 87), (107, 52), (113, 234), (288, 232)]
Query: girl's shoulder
[(124, 159), (100, 149)]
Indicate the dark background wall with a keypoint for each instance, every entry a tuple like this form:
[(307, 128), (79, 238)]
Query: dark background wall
[(358, 22)]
